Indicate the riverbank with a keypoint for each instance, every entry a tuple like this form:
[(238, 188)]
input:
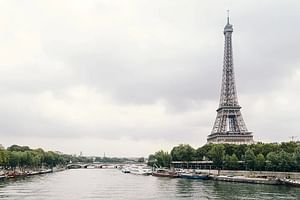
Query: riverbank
[(248, 177), (243, 179), (13, 174), (257, 180), (257, 174), (256, 177)]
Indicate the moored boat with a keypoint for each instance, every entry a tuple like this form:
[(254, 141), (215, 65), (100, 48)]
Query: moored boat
[(194, 176), (31, 173), (125, 170), (46, 171), (290, 182), (140, 170), (15, 174), (165, 173)]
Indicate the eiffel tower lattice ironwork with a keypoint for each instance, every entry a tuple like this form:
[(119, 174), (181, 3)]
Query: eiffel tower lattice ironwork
[(229, 126)]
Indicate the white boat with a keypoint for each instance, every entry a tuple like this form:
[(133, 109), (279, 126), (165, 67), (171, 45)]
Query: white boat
[(46, 171), (33, 173), (125, 170), (140, 170), (291, 182)]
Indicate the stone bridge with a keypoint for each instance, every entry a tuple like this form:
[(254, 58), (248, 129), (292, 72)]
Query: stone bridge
[(94, 165)]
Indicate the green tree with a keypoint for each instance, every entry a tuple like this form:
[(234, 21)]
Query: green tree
[(250, 159), (260, 161), (4, 158), (268, 148), (163, 159), (270, 156), (183, 152), (234, 161), (257, 148), (272, 161), (288, 147), (36, 160), (14, 159), (217, 155), (49, 159), (202, 153), (231, 162), (240, 151), (296, 158), (227, 162), (152, 160), (284, 161), (18, 148)]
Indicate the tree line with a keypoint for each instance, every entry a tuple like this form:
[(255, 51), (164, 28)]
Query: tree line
[(23, 157), (270, 156)]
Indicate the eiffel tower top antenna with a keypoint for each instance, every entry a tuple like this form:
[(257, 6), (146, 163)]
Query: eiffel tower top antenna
[(227, 16)]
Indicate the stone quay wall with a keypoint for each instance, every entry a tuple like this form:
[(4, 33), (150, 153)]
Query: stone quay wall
[(281, 175)]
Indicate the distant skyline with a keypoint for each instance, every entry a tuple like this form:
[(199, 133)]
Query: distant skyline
[(129, 78)]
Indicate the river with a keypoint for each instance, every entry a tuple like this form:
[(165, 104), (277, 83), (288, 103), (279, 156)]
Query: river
[(112, 184)]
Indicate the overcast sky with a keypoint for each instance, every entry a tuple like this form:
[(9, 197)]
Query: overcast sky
[(132, 77)]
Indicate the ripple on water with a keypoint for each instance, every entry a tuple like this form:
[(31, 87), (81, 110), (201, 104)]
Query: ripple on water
[(112, 184)]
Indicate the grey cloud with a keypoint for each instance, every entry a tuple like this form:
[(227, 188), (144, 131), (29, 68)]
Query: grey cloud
[(139, 53)]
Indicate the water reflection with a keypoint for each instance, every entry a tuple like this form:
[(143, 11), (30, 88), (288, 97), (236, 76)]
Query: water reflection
[(254, 191), (112, 184), (184, 187)]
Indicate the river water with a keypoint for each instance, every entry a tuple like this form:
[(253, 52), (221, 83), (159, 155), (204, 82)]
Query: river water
[(113, 184)]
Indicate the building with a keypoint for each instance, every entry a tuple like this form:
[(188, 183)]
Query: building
[(229, 126)]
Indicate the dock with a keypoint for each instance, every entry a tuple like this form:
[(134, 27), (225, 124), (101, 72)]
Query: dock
[(290, 182), (243, 179), (17, 174)]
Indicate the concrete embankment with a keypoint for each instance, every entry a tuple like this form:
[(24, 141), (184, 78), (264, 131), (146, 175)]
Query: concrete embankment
[(280, 175), (243, 179)]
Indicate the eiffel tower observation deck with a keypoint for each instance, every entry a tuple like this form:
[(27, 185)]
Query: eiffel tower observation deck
[(229, 126)]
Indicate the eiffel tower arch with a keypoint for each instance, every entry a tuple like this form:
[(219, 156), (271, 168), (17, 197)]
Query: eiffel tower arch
[(229, 126)]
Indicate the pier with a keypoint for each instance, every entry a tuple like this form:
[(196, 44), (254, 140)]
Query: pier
[(243, 179)]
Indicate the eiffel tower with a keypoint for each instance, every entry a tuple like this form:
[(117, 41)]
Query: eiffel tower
[(229, 126)]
